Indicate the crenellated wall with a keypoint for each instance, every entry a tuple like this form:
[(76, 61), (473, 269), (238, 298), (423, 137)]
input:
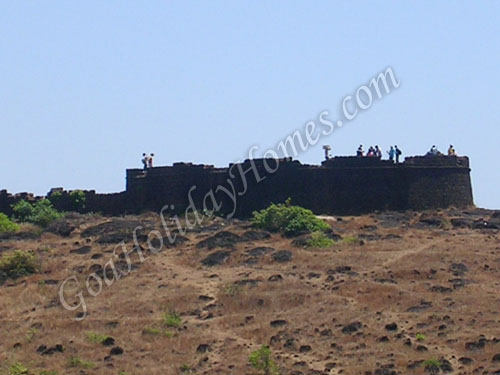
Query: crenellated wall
[(342, 185)]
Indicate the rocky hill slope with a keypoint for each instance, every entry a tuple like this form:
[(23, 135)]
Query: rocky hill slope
[(399, 293)]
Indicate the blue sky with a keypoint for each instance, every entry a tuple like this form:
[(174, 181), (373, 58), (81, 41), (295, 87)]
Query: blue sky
[(87, 87)]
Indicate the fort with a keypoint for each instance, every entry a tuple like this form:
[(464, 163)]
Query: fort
[(340, 185)]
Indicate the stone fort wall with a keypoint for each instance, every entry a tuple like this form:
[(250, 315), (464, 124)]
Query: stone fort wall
[(341, 185)]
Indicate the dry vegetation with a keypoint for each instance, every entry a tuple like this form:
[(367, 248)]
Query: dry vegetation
[(398, 293)]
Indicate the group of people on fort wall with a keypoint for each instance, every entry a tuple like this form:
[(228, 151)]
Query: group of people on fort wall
[(395, 153), (375, 152), (147, 160)]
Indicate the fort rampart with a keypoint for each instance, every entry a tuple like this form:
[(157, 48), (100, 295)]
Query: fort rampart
[(341, 185)]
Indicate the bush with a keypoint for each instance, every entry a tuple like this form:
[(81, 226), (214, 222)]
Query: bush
[(78, 200), (261, 360), (320, 239), (23, 210), (288, 219), (172, 320), (41, 213), (18, 369), (350, 240), (6, 225), (17, 264)]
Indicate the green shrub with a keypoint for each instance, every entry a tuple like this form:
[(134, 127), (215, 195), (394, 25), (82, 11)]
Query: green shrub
[(284, 217), (96, 338), (23, 210), (420, 337), (41, 213), (18, 369), (261, 360), (78, 362), (17, 264), (350, 240), (77, 199), (172, 319), (320, 240), (6, 225)]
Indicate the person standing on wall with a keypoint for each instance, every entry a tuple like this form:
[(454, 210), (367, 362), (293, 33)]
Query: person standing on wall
[(451, 151), (391, 153), (144, 161), (359, 152), (150, 161), (398, 153)]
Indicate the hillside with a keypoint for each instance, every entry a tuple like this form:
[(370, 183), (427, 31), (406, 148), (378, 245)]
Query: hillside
[(399, 293)]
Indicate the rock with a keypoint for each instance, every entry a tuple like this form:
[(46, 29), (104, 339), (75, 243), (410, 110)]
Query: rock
[(44, 350), (458, 269), (203, 348), (116, 351), (351, 328), (82, 250), (61, 227), (282, 256), (222, 239), (254, 235), (432, 221), (275, 278), (461, 223), (440, 289), (216, 259), (305, 348), (496, 358), (391, 327), (278, 323), (383, 339), (476, 346), (259, 251), (421, 307), (465, 360), (421, 348), (109, 341)]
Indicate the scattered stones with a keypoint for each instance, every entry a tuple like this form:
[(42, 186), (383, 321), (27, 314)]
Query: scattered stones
[(351, 328), (458, 269), (222, 239), (109, 341), (278, 323), (476, 345), (116, 351), (216, 259), (305, 348), (424, 305), (282, 256), (44, 350), (253, 235), (203, 348), (275, 278), (82, 250), (391, 327), (440, 289), (62, 227)]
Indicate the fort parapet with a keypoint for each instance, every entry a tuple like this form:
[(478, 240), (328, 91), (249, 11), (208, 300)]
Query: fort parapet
[(341, 185)]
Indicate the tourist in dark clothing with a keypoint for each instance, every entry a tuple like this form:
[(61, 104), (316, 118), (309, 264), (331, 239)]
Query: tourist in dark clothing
[(398, 153), (359, 153)]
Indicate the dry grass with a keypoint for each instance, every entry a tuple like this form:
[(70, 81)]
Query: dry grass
[(234, 318)]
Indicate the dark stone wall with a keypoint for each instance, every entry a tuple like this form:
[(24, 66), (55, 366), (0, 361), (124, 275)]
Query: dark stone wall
[(346, 185), (342, 185)]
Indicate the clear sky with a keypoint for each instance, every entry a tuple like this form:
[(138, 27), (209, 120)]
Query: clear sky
[(87, 87)]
